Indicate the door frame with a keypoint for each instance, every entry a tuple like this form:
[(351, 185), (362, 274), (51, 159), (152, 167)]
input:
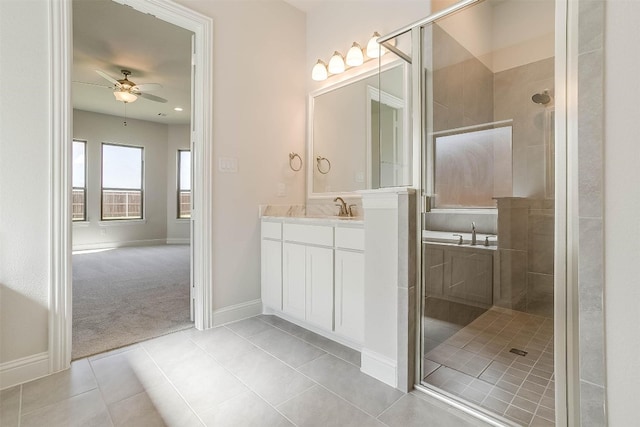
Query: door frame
[(61, 130)]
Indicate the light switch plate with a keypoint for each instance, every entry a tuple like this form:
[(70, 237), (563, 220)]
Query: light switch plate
[(228, 164), (282, 189)]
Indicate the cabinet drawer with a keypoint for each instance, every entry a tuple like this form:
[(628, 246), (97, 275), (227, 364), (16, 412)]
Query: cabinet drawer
[(271, 230), (350, 238), (311, 234)]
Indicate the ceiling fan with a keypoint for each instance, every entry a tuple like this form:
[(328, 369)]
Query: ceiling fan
[(127, 91)]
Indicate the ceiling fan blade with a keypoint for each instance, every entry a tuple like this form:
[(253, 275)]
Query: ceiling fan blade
[(108, 77), (152, 97), (147, 87), (93, 84)]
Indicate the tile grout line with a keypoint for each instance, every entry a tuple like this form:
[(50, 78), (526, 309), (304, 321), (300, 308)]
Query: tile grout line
[(171, 382), (95, 378), (247, 385), (20, 407), (311, 344), (311, 379)]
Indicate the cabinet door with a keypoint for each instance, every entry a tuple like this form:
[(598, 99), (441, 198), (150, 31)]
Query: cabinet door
[(293, 280), (271, 273), (319, 266), (349, 309)]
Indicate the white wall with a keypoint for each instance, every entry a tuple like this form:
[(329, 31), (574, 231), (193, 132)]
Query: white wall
[(24, 179), (97, 128), (177, 229), (259, 117), (622, 207)]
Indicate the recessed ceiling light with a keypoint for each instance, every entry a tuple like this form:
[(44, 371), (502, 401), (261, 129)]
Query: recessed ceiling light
[(178, 109)]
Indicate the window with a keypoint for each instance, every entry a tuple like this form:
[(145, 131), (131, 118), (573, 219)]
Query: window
[(122, 169), (79, 182), (184, 184)]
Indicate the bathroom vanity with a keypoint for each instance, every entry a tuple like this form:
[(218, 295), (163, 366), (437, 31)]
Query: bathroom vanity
[(313, 274)]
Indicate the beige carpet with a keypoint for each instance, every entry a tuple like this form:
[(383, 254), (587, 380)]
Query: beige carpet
[(127, 295)]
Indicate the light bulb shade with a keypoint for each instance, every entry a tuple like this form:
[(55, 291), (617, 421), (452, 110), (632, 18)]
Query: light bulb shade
[(319, 71), (336, 63), (124, 96), (355, 56), (375, 50)]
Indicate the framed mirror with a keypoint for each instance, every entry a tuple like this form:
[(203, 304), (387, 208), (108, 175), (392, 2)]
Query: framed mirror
[(359, 133)]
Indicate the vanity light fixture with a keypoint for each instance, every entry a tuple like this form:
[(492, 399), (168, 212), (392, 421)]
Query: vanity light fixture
[(355, 56), (124, 96), (319, 71), (374, 49), (336, 63)]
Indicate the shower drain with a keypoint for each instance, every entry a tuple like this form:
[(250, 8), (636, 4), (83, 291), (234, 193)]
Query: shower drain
[(518, 352)]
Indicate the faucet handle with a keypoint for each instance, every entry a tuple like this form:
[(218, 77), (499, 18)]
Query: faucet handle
[(473, 225), (350, 212), (486, 239), (459, 238)]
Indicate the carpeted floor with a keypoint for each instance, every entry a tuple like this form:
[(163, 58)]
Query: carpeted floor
[(126, 295)]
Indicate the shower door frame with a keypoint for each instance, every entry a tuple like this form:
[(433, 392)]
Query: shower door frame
[(565, 225)]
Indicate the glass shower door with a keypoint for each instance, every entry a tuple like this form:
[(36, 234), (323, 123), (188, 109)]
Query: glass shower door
[(487, 304)]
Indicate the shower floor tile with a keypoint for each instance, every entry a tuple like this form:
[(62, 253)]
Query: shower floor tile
[(475, 364)]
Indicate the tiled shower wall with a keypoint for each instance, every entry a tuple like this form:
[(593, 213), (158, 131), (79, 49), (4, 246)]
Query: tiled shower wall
[(526, 249), (590, 211)]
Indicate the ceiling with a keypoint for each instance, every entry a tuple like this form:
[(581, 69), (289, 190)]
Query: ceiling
[(110, 37)]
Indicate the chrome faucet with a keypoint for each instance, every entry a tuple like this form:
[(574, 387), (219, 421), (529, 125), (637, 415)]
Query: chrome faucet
[(343, 207), (473, 234)]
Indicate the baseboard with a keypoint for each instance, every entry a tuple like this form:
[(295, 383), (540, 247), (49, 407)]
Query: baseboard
[(379, 367), (329, 335), (179, 241), (114, 245), (23, 370), (237, 312)]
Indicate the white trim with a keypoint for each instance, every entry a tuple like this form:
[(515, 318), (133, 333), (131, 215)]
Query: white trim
[(329, 335), (59, 356), (117, 222), (236, 312), (121, 244), (24, 369), (61, 53), (566, 345), (379, 367), (178, 241)]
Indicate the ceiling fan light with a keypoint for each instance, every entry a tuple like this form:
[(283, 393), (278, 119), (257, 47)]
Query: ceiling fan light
[(355, 56), (124, 96), (336, 63), (319, 71)]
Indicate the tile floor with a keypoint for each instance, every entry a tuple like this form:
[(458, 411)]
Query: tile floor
[(261, 371), (475, 364)]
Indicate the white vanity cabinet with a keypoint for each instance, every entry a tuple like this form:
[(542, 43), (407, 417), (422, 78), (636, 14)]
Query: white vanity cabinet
[(271, 264), (349, 283), (322, 277)]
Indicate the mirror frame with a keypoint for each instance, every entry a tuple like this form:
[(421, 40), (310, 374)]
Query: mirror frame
[(310, 163)]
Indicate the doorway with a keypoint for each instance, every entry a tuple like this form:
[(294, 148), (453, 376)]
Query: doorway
[(200, 143), (131, 177)]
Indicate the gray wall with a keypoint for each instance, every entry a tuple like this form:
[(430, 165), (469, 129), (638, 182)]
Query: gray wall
[(590, 212), (98, 128)]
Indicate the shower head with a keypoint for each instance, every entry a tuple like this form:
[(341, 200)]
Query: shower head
[(542, 98)]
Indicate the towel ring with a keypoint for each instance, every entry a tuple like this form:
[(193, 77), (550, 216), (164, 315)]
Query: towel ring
[(319, 159), (292, 156)]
